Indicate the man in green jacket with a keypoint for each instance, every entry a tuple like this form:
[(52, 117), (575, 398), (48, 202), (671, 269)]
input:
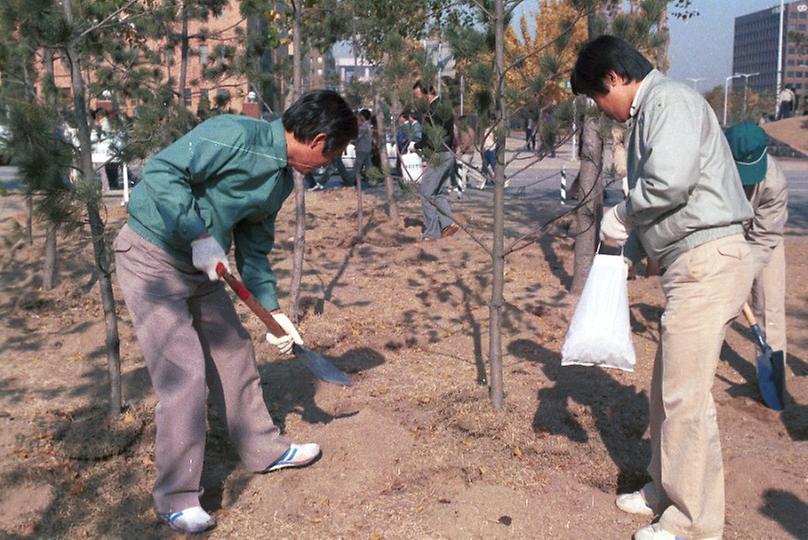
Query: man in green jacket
[(685, 209), (223, 182), (765, 186)]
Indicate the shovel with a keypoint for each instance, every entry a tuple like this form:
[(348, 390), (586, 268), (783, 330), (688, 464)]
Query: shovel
[(770, 368), (319, 366)]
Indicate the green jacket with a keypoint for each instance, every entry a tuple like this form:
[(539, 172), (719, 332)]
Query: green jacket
[(684, 188), (228, 177)]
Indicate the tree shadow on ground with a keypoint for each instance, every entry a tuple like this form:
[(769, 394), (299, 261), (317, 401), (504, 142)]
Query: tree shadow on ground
[(470, 300), (745, 368), (786, 509), (620, 412), (548, 246), (79, 490), (289, 388)]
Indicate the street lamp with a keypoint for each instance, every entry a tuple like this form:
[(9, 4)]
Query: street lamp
[(779, 63), (746, 87), (695, 82), (726, 91)]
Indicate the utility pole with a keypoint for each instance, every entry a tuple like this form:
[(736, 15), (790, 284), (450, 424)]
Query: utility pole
[(746, 88), (726, 91), (779, 61)]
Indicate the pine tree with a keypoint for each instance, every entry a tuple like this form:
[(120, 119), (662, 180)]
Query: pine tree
[(495, 62)]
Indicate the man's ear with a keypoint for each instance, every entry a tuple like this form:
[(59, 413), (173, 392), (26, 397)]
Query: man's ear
[(318, 139), (613, 79)]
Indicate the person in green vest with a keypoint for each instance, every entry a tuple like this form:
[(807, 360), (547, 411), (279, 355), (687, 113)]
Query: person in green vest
[(221, 184)]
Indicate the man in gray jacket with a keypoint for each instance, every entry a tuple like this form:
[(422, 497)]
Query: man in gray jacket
[(685, 210), (765, 187), (364, 146)]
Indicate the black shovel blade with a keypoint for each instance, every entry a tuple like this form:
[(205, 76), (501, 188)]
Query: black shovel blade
[(321, 368), (772, 379)]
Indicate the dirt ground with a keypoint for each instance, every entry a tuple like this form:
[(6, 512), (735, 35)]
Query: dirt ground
[(413, 448), (791, 131)]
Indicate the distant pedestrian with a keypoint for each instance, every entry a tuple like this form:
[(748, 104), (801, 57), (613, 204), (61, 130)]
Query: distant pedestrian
[(438, 153), (416, 129), (787, 98), (530, 132), (403, 133), (489, 154), (363, 146)]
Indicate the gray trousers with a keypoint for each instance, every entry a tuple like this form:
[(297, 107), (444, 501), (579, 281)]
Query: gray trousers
[(191, 337), (362, 163), (435, 190)]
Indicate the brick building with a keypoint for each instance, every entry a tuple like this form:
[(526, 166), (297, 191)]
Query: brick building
[(224, 38)]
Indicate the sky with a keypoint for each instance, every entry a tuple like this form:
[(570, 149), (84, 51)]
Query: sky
[(701, 47)]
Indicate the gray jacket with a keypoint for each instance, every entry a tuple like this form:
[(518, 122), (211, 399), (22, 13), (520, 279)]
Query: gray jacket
[(364, 138), (770, 202), (684, 189)]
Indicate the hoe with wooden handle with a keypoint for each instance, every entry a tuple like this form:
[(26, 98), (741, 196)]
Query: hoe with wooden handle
[(319, 366)]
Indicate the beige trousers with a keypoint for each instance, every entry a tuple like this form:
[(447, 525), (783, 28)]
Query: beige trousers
[(769, 299), (704, 290), (192, 338)]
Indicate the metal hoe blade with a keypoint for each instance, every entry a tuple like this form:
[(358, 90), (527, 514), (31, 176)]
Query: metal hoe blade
[(320, 367)]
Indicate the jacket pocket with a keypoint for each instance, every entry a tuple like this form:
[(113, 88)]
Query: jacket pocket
[(736, 250), (121, 245)]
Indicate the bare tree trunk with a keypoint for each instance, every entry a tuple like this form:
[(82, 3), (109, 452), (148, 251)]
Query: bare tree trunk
[(300, 192), (497, 256), (49, 265), (590, 200), (392, 205), (102, 256), (590, 188), (360, 210), (184, 54), (29, 221)]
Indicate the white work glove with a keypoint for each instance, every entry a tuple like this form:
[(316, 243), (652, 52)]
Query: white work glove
[(285, 343), (206, 253), (615, 225)]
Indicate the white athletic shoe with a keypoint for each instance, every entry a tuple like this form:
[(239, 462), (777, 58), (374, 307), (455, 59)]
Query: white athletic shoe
[(298, 455), (192, 520), (634, 503), (654, 532)]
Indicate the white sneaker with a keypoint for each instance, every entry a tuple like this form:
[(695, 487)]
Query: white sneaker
[(192, 520), (298, 455), (634, 503), (654, 532)]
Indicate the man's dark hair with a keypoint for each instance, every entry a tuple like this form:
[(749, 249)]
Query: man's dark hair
[(321, 111), (365, 113), (602, 55), (419, 85)]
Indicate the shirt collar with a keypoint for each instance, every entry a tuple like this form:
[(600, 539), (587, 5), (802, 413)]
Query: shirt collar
[(638, 97)]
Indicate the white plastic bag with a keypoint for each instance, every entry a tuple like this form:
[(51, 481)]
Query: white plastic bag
[(413, 165), (600, 331)]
